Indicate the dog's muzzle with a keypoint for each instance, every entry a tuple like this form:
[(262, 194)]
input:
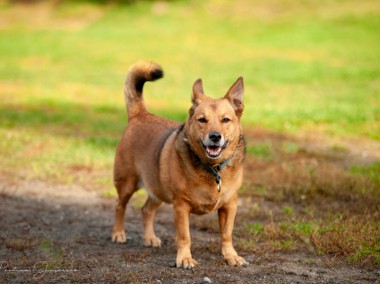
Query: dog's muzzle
[(214, 144)]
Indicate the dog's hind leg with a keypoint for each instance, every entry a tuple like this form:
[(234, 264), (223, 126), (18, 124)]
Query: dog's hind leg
[(125, 189), (149, 212)]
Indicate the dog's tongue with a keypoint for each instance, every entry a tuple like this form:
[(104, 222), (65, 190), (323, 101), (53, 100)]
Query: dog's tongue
[(213, 150)]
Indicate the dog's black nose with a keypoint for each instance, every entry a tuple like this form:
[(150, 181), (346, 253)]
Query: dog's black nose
[(215, 136)]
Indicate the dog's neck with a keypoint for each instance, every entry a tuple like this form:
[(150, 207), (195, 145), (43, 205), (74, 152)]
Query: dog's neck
[(214, 170)]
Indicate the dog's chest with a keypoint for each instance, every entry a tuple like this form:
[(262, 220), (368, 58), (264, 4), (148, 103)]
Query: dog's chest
[(207, 206), (207, 200)]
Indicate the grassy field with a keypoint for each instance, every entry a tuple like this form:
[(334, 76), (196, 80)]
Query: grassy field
[(309, 69)]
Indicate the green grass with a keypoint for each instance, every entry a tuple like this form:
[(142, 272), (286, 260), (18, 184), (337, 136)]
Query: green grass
[(261, 150), (311, 67), (371, 171), (53, 255), (348, 237)]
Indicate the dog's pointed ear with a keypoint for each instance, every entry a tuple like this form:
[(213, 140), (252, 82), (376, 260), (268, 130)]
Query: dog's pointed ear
[(197, 96), (235, 96), (198, 93)]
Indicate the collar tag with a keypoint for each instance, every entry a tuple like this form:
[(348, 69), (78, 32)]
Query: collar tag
[(214, 170), (219, 186)]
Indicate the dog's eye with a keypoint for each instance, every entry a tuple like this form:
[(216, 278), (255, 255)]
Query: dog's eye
[(226, 120), (202, 120)]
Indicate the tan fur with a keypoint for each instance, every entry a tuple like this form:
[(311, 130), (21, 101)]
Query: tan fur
[(168, 160)]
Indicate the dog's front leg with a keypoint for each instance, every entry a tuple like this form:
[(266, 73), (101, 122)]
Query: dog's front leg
[(227, 215), (181, 219)]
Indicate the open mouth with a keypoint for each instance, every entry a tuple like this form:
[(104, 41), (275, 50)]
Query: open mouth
[(214, 151)]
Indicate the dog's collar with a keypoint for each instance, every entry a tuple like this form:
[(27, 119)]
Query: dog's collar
[(214, 170)]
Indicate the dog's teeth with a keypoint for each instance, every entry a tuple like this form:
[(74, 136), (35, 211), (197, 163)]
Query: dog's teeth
[(213, 151)]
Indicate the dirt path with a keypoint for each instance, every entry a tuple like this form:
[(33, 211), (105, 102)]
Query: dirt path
[(55, 234)]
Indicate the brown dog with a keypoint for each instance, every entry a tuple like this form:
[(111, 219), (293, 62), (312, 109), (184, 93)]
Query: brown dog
[(197, 166)]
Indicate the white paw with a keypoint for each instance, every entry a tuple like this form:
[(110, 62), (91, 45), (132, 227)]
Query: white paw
[(186, 263), (235, 260), (119, 237), (152, 242)]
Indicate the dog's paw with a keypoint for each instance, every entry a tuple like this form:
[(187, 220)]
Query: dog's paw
[(187, 263), (235, 260), (119, 237), (152, 242)]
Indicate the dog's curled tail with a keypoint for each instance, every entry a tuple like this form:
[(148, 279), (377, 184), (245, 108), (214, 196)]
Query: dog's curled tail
[(138, 74)]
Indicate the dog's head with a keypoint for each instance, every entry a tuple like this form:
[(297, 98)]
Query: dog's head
[(213, 127)]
